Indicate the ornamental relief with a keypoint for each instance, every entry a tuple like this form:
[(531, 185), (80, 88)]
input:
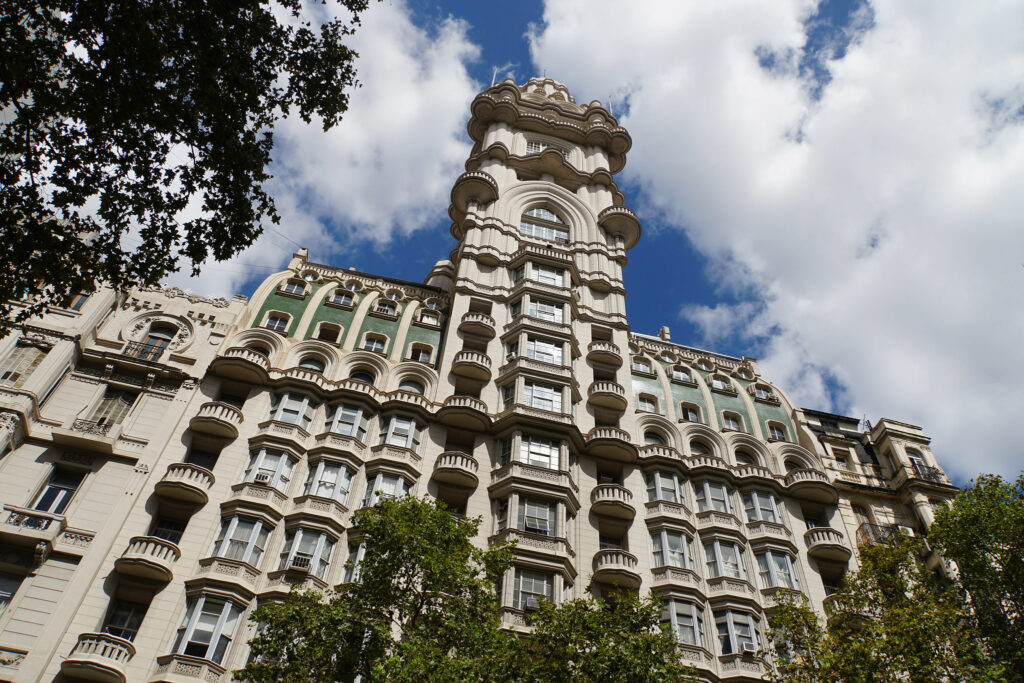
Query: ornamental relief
[(138, 327)]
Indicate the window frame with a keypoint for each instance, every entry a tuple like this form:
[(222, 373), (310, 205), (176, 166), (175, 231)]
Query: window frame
[(333, 420), (521, 596), (277, 315), (220, 640), (281, 404), (341, 486), (715, 562), (279, 477), (20, 363), (754, 502), (655, 481), (703, 489), (769, 572), (670, 610), (253, 551), (319, 558), (728, 617), (62, 494), (531, 398), (660, 546), (527, 454), (375, 484), (391, 436)]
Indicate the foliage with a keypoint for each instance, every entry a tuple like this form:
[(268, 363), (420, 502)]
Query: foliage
[(894, 619), (426, 608), (983, 533), (593, 641), (150, 117)]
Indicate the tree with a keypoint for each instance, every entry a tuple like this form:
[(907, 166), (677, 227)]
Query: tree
[(894, 619), (425, 608), (983, 533), (593, 641), (154, 117)]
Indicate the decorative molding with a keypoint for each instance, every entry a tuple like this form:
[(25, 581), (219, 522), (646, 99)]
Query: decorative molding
[(175, 292)]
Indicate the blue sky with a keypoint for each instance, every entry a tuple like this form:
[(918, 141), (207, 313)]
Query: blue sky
[(832, 187)]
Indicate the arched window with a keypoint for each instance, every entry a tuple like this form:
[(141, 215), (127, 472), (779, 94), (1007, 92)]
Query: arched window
[(777, 432), (699, 448), (412, 386), (690, 412), (544, 224), (362, 375), (342, 298), (375, 342), (157, 339), (917, 461), (653, 438), (745, 458), (258, 348), (792, 465), (312, 363)]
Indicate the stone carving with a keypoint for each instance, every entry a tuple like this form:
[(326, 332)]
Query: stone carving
[(175, 292)]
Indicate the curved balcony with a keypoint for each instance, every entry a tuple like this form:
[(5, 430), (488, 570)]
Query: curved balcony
[(707, 463), (99, 657), (217, 419), (465, 412), (754, 474), (148, 557), (622, 221), (656, 452), (713, 520), (472, 365), (670, 511), (242, 364), (395, 456), (604, 353), (811, 485), (612, 500), (187, 483), (611, 443), (478, 324), (609, 395), (617, 567), (459, 469), (827, 544), (472, 186)]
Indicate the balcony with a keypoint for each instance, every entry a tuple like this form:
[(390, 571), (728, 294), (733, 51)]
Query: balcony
[(396, 456), (827, 544), (242, 364), (28, 527), (616, 567), (187, 483), (88, 435), (604, 353), (656, 452), (261, 495), (529, 542), (465, 412), (608, 395), (471, 187), (540, 479), (611, 443), (290, 435), (622, 221), (612, 500), (458, 469), (710, 464), (478, 324), (920, 473), (148, 557), (217, 570), (754, 474), (713, 520), (472, 365), (179, 668), (878, 534), (217, 419), (99, 657), (811, 485), (671, 512), (667, 578)]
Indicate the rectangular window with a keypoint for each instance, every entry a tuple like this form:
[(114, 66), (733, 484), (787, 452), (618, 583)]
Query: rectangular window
[(537, 516), (531, 586), (663, 485), (208, 628), (329, 480), (125, 618), (646, 404), (543, 396), (543, 310), (113, 407), (689, 412), (539, 452), (544, 232), (712, 495), (723, 558), (77, 301), (291, 408), (401, 431), (307, 550), (547, 275), (383, 487), (685, 620), (270, 468), (346, 420), (341, 299), (19, 365), (9, 584), (738, 632), (640, 365), (544, 350), (421, 354), (760, 506), (777, 432), (168, 529), (374, 343), (732, 422), (57, 493), (278, 323), (776, 569), (671, 549), (241, 538), (295, 288)]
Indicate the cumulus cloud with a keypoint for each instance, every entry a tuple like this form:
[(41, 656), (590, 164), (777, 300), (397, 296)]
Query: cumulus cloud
[(386, 170), (869, 206)]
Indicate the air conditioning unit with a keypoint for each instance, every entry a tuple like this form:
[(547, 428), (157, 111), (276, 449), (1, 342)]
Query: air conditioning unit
[(262, 478), (532, 603), (748, 648)]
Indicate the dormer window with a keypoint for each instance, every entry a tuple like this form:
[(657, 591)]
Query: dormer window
[(385, 308), (681, 375), (764, 393), (641, 365), (544, 224), (721, 384), (704, 365), (353, 286), (341, 298)]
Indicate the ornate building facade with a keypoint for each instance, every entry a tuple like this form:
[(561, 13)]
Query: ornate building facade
[(170, 461)]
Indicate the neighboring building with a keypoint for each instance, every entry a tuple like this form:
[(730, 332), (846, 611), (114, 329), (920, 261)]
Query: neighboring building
[(170, 461)]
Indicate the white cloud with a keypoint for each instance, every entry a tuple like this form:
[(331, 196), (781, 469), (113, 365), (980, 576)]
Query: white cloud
[(386, 170), (884, 250)]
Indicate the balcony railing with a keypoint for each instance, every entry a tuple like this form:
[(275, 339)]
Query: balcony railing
[(92, 427), (933, 474), (877, 534), (144, 351)]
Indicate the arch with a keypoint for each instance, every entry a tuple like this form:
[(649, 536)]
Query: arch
[(744, 456), (791, 453), (701, 432), (660, 425), (367, 361), (543, 223), (741, 441), (415, 372), (258, 335), (578, 217), (312, 361), (653, 437), (323, 351)]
